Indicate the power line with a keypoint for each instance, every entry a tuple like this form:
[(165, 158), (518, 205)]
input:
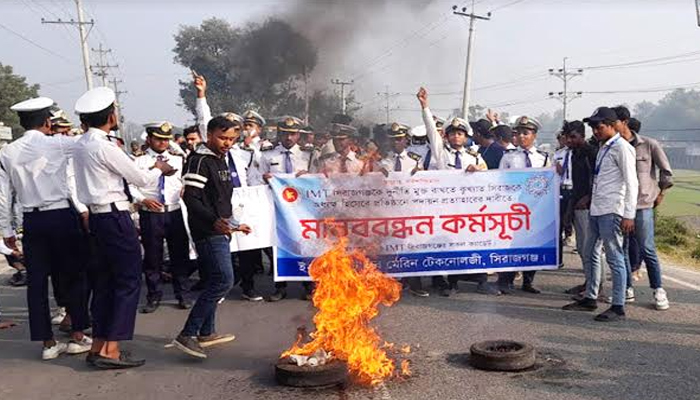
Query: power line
[(644, 61), (647, 90), (507, 5), (35, 44)]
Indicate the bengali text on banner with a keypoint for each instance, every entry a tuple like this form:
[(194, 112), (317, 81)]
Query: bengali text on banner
[(431, 223)]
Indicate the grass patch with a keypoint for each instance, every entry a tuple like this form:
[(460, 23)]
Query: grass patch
[(683, 199), (676, 241)]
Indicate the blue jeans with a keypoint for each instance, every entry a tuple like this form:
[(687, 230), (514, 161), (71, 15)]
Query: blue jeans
[(215, 258), (644, 233), (605, 231)]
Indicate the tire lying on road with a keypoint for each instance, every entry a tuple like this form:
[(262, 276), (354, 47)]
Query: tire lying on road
[(502, 355), (333, 373)]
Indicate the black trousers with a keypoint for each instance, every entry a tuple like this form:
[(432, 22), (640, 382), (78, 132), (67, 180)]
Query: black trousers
[(168, 226), (440, 282), (54, 245), (244, 266)]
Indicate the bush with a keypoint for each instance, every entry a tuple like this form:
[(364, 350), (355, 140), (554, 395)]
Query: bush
[(670, 232), (696, 252)]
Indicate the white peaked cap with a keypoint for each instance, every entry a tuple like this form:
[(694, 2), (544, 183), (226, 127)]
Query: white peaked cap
[(95, 100), (35, 104)]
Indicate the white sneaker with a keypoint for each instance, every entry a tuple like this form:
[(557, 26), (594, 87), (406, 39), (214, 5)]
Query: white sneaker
[(79, 346), (58, 316), (629, 297), (50, 353), (661, 299)]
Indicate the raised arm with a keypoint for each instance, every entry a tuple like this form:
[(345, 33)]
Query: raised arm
[(434, 138), (202, 107)]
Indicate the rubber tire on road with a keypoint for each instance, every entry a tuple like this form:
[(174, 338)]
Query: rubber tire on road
[(483, 356), (330, 374)]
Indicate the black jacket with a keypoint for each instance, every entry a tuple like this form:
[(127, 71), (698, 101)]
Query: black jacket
[(208, 190), (582, 166)]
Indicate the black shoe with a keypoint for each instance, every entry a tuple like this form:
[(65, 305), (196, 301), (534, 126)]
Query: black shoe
[(150, 307), (447, 292), (531, 289), (278, 295), (251, 295), (18, 279), (125, 361), (307, 294), (576, 289), (91, 357), (184, 304), (582, 305), (487, 289), (190, 346), (506, 290), (610, 315)]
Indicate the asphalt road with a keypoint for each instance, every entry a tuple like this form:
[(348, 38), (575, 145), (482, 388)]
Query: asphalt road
[(652, 355)]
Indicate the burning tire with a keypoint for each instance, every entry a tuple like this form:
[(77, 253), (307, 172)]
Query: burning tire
[(502, 355), (333, 373)]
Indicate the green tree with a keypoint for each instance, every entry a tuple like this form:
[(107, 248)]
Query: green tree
[(259, 66), (13, 89)]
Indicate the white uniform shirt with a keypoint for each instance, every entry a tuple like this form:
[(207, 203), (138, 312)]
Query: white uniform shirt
[(242, 160), (408, 162), (173, 183), (333, 164), (615, 184), (445, 157), (515, 159), (101, 166), (34, 170), (563, 157), (273, 161)]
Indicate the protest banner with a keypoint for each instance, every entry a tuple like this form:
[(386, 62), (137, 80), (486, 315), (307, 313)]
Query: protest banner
[(253, 206), (431, 223)]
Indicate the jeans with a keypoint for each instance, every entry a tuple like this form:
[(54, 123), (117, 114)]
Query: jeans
[(215, 258), (605, 231), (644, 233)]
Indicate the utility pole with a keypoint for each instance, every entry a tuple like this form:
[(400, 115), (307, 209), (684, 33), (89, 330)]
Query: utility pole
[(697, 10), (387, 108), (468, 68), (342, 84), (565, 75), (101, 67), (80, 23), (306, 96), (118, 93)]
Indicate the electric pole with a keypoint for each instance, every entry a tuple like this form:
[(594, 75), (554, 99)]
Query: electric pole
[(118, 93), (101, 67), (387, 108), (307, 100), (565, 75), (81, 23), (697, 10), (342, 84), (468, 68)]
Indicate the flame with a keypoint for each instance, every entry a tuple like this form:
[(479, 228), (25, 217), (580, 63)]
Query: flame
[(405, 368), (349, 290), (406, 349)]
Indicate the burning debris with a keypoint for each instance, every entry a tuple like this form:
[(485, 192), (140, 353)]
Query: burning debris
[(349, 290)]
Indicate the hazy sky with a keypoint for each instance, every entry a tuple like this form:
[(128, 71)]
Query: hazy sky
[(397, 44)]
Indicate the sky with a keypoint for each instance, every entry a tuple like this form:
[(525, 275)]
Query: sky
[(394, 46)]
